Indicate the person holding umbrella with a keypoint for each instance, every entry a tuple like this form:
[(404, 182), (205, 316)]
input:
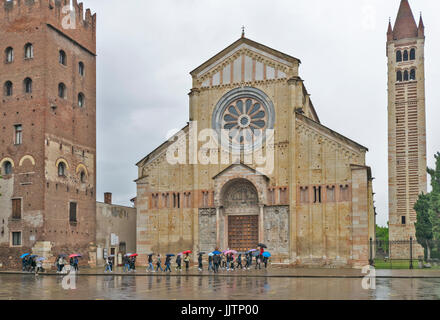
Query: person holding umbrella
[(75, 263), (24, 261), (210, 261), (186, 260), (107, 264), (158, 263), (216, 262), (126, 264)]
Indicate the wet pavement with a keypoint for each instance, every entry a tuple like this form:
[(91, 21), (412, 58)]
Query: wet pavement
[(345, 284)]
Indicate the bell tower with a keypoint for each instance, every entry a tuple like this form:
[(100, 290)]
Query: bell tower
[(407, 164)]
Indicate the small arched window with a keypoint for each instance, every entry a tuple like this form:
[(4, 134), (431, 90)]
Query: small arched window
[(28, 51), (28, 85), (81, 100), (7, 168), (399, 76), (63, 58), (81, 69), (413, 74), (9, 55), (62, 169), (406, 75), (62, 90), (405, 55), (412, 54), (82, 177), (8, 88), (399, 56)]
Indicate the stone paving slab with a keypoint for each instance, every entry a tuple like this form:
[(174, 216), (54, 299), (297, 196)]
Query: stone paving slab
[(270, 272)]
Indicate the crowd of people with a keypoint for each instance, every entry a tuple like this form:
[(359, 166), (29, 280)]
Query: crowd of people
[(228, 260)]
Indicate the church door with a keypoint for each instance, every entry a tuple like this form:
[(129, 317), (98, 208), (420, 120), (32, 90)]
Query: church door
[(242, 232)]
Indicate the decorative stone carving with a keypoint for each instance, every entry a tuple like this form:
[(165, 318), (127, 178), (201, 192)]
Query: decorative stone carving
[(207, 229), (276, 229)]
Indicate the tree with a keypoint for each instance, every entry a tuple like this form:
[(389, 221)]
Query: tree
[(427, 208), (382, 235), (423, 225)]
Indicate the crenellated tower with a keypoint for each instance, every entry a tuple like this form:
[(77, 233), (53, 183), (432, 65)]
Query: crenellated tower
[(406, 124), (48, 128)]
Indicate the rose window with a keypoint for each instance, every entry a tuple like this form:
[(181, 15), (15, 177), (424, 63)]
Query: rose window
[(245, 118)]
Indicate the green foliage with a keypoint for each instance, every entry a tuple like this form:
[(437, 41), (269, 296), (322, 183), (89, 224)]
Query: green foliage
[(427, 208), (382, 234)]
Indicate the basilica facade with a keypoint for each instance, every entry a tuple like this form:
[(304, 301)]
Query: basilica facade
[(255, 165)]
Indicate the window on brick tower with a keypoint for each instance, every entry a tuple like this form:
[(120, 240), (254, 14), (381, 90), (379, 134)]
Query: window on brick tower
[(403, 220), (63, 58), (399, 56), (16, 209), (405, 55), (18, 134), (28, 85), (406, 75), (413, 74), (62, 90), (399, 76), (331, 194), (81, 69), (62, 169), (28, 51), (82, 177), (9, 52), (412, 54), (304, 195), (344, 194), (205, 199), (72, 211), (8, 88), (7, 168), (81, 100)]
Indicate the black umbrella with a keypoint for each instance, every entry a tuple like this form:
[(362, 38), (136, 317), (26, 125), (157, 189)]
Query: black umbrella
[(150, 254), (262, 245), (170, 255), (202, 253)]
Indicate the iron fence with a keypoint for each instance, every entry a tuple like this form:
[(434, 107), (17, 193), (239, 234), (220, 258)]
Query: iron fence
[(404, 254)]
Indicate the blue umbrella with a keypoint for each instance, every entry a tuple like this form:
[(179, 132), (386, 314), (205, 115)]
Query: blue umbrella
[(24, 255), (266, 254), (170, 255), (216, 252), (211, 254), (33, 256)]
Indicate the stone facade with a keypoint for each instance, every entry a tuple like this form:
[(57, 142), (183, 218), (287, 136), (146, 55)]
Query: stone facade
[(54, 129), (406, 126), (315, 208), (115, 231)]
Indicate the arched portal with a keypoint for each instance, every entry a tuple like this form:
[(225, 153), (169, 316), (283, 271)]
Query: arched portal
[(241, 212)]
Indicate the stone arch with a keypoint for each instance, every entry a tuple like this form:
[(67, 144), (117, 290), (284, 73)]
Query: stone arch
[(27, 157), (81, 167), (239, 190), (7, 159), (63, 161)]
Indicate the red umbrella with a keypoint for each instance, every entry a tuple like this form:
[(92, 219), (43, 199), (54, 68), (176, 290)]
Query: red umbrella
[(75, 255), (187, 251), (134, 255)]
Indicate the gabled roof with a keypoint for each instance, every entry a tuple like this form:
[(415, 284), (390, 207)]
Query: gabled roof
[(243, 165), (249, 42)]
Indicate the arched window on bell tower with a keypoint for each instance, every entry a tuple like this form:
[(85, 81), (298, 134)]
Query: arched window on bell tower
[(399, 76), (406, 75), (412, 74), (405, 55), (399, 56), (412, 54)]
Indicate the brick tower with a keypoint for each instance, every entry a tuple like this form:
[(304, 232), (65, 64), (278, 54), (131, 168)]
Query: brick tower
[(406, 125), (48, 129)]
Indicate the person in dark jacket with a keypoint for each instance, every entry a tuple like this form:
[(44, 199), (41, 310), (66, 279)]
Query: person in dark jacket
[(216, 260), (257, 262), (159, 263), (168, 264), (179, 263), (239, 265), (23, 264), (200, 262), (210, 263), (265, 262), (150, 263)]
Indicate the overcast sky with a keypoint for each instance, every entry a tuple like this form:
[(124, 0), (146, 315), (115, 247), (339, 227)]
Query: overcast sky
[(146, 50)]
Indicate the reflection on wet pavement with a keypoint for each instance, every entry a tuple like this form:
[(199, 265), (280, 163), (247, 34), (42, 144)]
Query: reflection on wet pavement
[(24, 287)]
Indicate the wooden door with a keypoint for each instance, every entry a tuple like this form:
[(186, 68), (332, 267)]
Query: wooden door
[(242, 232)]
